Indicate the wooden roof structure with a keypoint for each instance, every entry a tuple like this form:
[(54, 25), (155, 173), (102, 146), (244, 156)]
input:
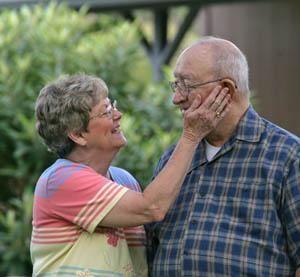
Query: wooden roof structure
[(160, 50)]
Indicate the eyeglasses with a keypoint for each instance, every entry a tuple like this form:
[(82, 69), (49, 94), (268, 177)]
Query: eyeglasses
[(108, 113), (185, 89)]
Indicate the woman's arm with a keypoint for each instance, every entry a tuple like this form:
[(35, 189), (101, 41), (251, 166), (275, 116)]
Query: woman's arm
[(152, 205)]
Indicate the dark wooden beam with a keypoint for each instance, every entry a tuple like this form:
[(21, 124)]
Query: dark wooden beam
[(172, 46), (165, 48), (160, 41), (128, 15), (109, 5)]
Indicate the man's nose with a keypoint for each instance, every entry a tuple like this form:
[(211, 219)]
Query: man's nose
[(178, 98)]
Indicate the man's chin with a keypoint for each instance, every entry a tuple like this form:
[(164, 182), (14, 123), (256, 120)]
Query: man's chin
[(183, 110)]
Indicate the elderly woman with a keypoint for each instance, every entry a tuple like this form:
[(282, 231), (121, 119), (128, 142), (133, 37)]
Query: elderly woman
[(86, 214)]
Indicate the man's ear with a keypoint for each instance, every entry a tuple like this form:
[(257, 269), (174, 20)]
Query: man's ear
[(230, 84), (78, 138)]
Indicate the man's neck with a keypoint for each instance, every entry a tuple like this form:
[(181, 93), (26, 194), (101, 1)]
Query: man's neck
[(226, 127)]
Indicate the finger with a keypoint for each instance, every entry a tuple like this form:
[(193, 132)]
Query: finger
[(196, 103), (211, 97), (219, 99), (224, 107), (225, 111), (219, 111), (223, 104)]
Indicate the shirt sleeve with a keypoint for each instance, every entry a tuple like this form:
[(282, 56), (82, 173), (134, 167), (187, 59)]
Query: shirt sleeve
[(123, 177), (291, 212), (84, 198)]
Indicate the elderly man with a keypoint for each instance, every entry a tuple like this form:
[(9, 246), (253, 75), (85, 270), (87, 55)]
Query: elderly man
[(238, 211)]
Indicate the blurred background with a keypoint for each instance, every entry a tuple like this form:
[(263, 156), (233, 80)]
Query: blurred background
[(132, 45)]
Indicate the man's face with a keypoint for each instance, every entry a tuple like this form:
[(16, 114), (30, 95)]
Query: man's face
[(192, 68)]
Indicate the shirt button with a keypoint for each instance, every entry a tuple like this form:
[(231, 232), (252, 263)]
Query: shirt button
[(194, 221), (202, 193), (185, 252)]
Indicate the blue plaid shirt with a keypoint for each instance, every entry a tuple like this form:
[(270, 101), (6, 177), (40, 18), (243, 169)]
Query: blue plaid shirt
[(237, 215)]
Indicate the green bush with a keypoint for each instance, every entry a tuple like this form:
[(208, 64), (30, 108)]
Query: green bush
[(15, 237), (36, 46)]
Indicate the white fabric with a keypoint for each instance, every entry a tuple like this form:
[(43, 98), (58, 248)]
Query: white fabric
[(211, 150)]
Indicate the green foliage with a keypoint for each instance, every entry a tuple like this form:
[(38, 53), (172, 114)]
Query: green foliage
[(36, 46), (15, 230), (39, 45)]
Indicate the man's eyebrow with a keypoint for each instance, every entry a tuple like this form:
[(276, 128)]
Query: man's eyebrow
[(183, 76)]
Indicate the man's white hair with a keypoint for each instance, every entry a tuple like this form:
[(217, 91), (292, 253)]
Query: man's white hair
[(228, 60)]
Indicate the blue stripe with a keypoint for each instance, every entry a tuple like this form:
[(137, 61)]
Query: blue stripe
[(55, 176)]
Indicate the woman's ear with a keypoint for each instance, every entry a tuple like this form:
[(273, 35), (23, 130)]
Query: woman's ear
[(78, 138), (230, 84)]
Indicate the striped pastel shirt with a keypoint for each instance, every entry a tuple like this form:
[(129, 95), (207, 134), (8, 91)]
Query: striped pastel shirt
[(238, 214), (70, 201)]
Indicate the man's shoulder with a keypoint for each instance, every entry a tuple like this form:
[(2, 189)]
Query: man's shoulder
[(255, 128), (280, 143), (278, 135), (164, 158)]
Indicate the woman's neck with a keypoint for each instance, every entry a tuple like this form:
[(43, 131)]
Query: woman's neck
[(99, 161)]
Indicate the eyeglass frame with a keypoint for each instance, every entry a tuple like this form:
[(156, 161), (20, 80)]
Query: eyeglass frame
[(174, 86), (108, 113)]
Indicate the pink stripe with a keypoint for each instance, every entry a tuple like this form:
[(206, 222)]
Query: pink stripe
[(55, 236), (98, 202), (104, 205), (90, 207), (53, 242), (102, 192), (43, 231)]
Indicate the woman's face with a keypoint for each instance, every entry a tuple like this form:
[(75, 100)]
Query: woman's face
[(103, 131)]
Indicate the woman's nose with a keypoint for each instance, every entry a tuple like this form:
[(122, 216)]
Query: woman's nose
[(116, 114)]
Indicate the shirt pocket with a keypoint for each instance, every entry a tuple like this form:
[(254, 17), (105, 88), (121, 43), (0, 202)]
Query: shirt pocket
[(247, 201), (249, 209)]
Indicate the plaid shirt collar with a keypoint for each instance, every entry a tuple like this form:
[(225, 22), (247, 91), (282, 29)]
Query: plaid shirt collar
[(249, 129)]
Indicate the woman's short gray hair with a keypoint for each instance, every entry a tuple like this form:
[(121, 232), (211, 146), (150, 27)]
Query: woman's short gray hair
[(64, 106)]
